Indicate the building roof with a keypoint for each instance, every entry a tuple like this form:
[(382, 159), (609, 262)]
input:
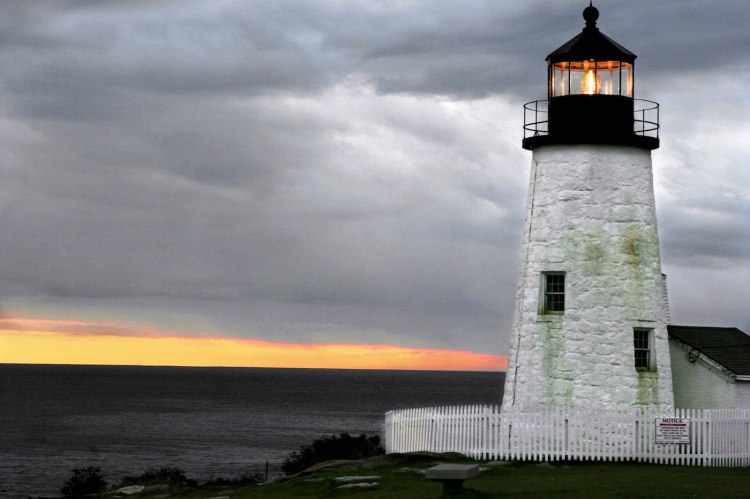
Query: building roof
[(591, 44), (727, 346)]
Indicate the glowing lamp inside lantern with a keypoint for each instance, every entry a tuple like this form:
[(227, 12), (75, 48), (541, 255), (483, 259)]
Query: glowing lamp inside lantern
[(591, 83)]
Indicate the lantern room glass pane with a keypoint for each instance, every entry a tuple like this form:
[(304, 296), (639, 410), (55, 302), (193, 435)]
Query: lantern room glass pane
[(591, 77), (609, 73), (577, 84), (560, 80), (627, 79)]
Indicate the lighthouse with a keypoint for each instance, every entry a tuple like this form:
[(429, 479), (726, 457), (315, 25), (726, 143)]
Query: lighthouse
[(590, 319)]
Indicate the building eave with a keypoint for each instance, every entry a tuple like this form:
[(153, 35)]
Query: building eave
[(711, 364)]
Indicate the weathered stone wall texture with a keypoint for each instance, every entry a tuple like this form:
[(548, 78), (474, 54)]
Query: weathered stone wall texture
[(591, 214)]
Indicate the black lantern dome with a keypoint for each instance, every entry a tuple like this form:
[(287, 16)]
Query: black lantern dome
[(590, 87)]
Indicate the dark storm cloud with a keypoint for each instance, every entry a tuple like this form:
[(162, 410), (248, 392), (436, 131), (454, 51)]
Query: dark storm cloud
[(94, 60), (469, 49), (328, 171)]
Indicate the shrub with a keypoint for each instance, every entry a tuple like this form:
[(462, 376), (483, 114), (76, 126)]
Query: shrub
[(235, 482), (324, 449), (84, 481), (168, 476)]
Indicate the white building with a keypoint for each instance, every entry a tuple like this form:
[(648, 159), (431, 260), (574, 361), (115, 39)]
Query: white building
[(710, 367), (590, 324)]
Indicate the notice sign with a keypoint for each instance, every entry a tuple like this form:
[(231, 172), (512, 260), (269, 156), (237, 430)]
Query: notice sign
[(672, 430)]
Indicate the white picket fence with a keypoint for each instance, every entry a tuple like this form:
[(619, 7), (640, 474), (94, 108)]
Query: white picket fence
[(718, 437)]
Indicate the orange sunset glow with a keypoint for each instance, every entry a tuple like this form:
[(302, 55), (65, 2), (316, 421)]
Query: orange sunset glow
[(44, 341)]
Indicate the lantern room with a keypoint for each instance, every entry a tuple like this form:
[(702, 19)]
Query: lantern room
[(590, 90), (591, 64)]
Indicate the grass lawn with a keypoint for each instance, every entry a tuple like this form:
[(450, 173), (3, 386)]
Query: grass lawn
[(399, 478)]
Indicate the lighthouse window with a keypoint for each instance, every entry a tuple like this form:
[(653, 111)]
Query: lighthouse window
[(590, 77), (553, 284), (642, 345)]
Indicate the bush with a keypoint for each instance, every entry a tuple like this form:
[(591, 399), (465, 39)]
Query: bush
[(325, 449), (235, 482), (84, 481), (168, 476)]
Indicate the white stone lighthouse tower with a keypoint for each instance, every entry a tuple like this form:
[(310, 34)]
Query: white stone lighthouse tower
[(590, 320)]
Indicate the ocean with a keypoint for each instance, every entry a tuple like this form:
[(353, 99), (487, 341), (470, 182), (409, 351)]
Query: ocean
[(209, 422)]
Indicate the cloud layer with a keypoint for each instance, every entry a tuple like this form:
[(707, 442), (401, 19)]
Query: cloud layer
[(336, 172)]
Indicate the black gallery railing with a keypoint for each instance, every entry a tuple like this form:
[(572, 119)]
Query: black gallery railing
[(645, 118)]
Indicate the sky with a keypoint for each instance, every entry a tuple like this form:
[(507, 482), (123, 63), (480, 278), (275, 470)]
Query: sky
[(332, 183)]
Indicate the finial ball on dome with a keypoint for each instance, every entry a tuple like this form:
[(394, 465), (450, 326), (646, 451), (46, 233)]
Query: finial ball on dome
[(590, 14)]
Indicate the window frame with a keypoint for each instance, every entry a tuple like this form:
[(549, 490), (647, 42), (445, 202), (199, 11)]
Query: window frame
[(649, 365), (558, 306)]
